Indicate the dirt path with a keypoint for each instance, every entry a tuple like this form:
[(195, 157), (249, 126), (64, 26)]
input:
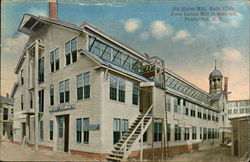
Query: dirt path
[(13, 152)]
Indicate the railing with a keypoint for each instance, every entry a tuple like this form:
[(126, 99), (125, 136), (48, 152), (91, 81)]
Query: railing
[(124, 145), (245, 157)]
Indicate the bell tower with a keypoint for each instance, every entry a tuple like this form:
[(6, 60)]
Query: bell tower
[(215, 81)]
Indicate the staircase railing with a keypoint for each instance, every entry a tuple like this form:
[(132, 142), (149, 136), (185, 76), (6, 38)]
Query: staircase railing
[(124, 145)]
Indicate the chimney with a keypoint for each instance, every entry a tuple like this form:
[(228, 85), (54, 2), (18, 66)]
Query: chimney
[(226, 86), (53, 9), (7, 95)]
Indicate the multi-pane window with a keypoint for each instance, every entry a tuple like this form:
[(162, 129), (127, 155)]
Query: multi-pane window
[(41, 70), (41, 100), (235, 111), (22, 80), (186, 134), (54, 60), (124, 126), (168, 132), (199, 112), (117, 83), (213, 116), (157, 132), (204, 133), (51, 127), (83, 86), (242, 111), (175, 105), (204, 114), (177, 133), (51, 94), (209, 115), (79, 130), (121, 92), (135, 95), (5, 114), (64, 92), (209, 133), (194, 131), (71, 51), (120, 126), (168, 103), (21, 102), (116, 130), (41, 130), (85, 128), (60, 126), (229, 111)]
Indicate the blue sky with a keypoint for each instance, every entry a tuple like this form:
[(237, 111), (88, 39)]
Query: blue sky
[(189, 48)]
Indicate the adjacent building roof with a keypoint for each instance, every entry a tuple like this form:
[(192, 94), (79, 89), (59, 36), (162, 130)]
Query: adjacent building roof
[(6, 100)]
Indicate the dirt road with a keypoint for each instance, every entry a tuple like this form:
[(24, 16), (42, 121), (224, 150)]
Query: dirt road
[(13, 152)]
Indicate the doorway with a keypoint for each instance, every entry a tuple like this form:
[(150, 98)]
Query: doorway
[(63, 133)]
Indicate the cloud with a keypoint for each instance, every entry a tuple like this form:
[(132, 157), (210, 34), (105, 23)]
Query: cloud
[(144, 36), (160, 29), (131, 25), (228, 54), (111, 4), (36, 12), (183, 35), (15, 45)]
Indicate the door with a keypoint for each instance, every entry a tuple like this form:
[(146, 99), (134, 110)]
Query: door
[(23, 130), (236, 147), (63, 133), (66, 133)]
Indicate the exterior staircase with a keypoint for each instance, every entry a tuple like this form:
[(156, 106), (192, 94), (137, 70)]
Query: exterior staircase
[(122, 149)]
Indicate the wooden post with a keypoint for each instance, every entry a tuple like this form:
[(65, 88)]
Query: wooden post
[(141, 147)]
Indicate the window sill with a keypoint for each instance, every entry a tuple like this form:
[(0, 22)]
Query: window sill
[(52, 73), (83, 100)]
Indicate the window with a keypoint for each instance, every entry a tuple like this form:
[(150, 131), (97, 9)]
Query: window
[(5, 114), (213, 116), (157, 132), (79, 130), (54, 60), (199, 112), (85, 130), (242, 111), (41, 70), (51, 127), (135, 95), (175, 105), (116, 130), (41, 130), (222, 118), (209, 115), (209, 133), (41, 100), (192, 112), (51, 94), (31, 99), (194, 132), (121, 93), (229, 111), (71, 51), (64, 92), (21, 102), (235, 111), (117, 83), (113, 87), (60, 126), (83, 86), (204, 114), (204, 133), (124, 126), (186, 134), (177, 133), (120, 126), (168, 132), (22, 80), (168, 103)]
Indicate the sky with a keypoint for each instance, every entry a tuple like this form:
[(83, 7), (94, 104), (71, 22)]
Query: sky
[(189, 48)]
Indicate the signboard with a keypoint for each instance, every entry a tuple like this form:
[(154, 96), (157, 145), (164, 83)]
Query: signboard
[(61, 108), (94, 126)]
